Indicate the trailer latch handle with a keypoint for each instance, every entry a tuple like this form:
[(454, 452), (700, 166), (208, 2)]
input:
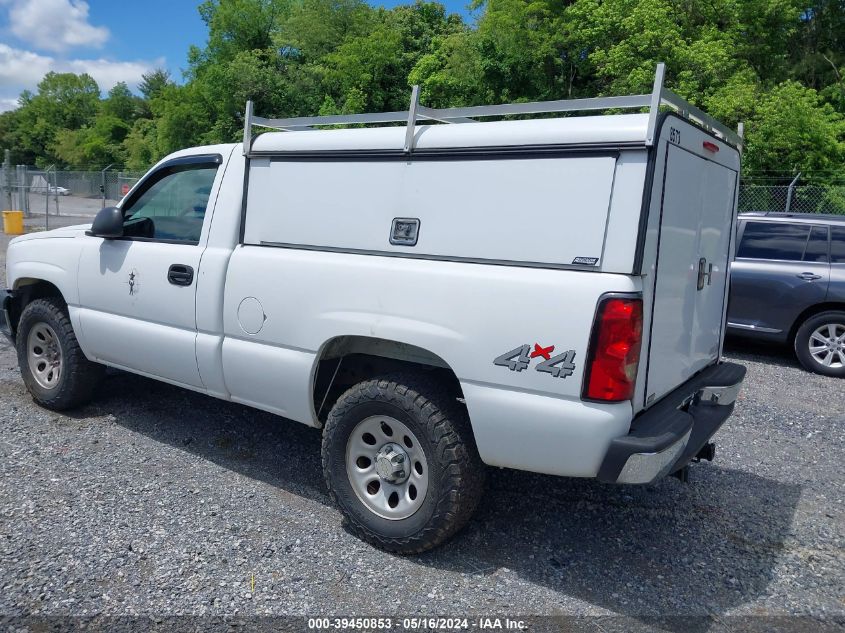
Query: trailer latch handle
[(705, 273)]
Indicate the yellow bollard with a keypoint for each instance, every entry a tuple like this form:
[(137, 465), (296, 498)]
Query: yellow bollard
[(13, 222)]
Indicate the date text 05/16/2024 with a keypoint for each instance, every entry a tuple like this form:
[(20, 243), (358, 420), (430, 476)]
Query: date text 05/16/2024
[(417, 623)]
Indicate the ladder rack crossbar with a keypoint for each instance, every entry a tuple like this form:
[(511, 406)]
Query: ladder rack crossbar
[(659, 96), (689, 111)]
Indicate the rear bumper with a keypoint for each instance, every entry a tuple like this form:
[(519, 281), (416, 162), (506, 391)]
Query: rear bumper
[(667, 436), (6, 314)]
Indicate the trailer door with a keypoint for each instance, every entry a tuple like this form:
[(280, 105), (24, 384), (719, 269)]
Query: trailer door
[(697, 217)]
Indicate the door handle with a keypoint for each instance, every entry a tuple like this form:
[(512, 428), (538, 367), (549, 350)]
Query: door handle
[(180, 275), (808, 276), (705, 273)]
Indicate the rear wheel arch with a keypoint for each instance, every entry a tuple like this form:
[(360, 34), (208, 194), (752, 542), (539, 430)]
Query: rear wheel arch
[(819, 342), (348, 360), (831, 306)]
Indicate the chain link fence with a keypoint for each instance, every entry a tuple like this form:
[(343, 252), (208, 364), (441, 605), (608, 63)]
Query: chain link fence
[(50, 198), (798, 199)]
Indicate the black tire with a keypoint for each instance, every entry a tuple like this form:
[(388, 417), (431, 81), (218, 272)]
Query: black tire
[(835, 318), (455, 471), (78, 377)]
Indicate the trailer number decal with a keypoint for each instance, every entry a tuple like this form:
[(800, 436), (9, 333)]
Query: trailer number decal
[(674, 136), (519, 358)]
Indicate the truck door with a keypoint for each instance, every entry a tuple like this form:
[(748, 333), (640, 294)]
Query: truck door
[(137, 293), (697, 217)]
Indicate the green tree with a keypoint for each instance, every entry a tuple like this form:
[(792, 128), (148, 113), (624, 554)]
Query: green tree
[(379, 63), (517, 52), (140, 147), (63, 101), (92, 147), (314, 28), (792, 129), (818, 50), (153, 82), (122, 104), (181, 117), (235, 26), (9, 136), (778, 65)]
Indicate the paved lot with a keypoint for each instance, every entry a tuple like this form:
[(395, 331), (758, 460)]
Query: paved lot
[(67, 205), (72, 210), (156, 501)]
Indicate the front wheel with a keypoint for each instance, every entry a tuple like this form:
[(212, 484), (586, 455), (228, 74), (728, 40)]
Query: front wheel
[(54, 369), (400, 461), (820, 343)]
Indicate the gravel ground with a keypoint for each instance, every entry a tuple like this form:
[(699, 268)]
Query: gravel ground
[(158, 501)]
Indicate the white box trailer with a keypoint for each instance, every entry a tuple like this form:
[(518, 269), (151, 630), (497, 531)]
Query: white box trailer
[(547, 294)]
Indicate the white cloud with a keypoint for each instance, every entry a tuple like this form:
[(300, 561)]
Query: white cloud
[(8, 104), (22, 70), (54, 25), (107, 73)]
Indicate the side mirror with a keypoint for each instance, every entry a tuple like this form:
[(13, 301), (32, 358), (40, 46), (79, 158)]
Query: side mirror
[(108, 223)]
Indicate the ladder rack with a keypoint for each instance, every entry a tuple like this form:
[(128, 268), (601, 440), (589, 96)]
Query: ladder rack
[(660, 96)]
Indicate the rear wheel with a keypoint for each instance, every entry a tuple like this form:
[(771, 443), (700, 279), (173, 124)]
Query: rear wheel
[(820, 343), (54, 369), (400, 461)]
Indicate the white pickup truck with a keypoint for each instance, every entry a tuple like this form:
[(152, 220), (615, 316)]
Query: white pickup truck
[(546, 294)]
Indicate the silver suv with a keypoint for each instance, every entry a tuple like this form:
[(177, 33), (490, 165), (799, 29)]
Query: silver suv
[(788, 285)]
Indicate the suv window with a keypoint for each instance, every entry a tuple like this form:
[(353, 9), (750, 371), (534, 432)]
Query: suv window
[(778, 240), (837, 244), (172, 206), (816, 250)]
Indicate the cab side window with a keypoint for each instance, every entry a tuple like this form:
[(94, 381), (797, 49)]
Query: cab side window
[(171, 205)]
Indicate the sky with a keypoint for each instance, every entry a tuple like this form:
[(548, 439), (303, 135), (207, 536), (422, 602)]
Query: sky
[(111, 40)]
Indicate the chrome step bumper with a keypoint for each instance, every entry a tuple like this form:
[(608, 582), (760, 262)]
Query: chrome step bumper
[(665, 437)]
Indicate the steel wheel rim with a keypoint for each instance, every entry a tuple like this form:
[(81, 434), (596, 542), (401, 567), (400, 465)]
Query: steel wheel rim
[(44, 355), (373, 467), (827, 345)]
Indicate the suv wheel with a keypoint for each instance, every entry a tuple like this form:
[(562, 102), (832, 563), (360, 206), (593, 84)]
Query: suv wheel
[(400, 461), (54, 369), (820, 344)]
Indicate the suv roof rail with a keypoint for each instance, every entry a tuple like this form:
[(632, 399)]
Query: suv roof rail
[(796, 215), (660, 96)]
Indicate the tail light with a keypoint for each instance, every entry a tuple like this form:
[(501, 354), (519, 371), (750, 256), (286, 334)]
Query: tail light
[(614, 350)]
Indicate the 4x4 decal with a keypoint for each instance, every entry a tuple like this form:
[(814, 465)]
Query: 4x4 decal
[(519, 358)]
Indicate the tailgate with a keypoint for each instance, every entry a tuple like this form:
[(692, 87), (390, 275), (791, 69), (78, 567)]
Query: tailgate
[(697, 212)]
